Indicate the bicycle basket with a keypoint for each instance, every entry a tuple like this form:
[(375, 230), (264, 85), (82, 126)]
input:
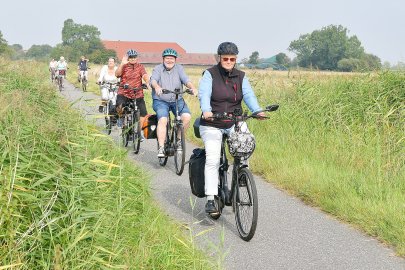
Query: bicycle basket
[(62, 72), (241, 144)]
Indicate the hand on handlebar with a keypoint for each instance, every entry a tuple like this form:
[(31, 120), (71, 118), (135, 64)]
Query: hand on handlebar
[(208, 115), (158, 90)]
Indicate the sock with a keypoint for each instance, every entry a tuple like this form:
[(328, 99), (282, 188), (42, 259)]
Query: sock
[(210, 197)]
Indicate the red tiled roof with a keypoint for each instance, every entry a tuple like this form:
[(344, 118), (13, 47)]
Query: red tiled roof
[(121, 47), (151, 52)]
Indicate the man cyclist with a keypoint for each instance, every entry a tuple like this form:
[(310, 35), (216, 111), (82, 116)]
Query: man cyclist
[(82, 67), (131, 73), (169, 75)]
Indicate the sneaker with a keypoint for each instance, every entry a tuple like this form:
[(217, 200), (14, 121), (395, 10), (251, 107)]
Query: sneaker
[(100, 108), (142, 137), (179, 146), (161, 152), (210, 207)]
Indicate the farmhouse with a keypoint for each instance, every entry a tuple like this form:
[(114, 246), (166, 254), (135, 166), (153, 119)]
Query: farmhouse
[(151, 52)]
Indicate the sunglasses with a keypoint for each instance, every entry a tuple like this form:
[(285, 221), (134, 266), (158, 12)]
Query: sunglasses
[(226, 59)]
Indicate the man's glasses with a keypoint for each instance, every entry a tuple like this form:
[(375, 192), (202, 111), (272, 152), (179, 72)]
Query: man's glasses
[(226, 59)]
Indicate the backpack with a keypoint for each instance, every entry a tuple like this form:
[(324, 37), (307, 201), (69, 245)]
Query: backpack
[(196, 167), (149, 126)]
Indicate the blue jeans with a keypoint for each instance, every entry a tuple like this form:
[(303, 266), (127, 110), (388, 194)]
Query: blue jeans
[(162, 107)]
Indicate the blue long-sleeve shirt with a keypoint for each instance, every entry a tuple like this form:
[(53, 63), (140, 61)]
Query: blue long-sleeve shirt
[(205, 91)]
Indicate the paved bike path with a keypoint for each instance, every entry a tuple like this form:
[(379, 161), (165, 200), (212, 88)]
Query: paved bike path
[(289, 235)]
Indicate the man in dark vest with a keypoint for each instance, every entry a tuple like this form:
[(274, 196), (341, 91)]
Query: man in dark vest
[(221, 90)]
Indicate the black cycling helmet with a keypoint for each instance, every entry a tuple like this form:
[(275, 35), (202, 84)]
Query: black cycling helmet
[(227, 48), (132, 53), (169, 52)]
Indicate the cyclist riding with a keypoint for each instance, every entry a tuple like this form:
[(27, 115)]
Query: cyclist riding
[(131, 73), (52, 67), (222, 89), (107, 74), (169, 75), (62, 65), (82, 68)]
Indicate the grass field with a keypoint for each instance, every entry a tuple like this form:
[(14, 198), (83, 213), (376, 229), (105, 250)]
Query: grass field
[(69, 198), (337, 142)]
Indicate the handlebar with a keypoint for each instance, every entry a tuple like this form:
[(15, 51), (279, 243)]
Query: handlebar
[(126, 86), (177, 91), (238, 115)]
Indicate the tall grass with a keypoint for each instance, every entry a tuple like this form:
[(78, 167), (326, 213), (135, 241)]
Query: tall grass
[(338, 143), (69, 199)]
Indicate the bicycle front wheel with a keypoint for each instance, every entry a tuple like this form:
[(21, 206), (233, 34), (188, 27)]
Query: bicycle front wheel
[(136, 138), (108, 122), (245, 204), (179, 149)]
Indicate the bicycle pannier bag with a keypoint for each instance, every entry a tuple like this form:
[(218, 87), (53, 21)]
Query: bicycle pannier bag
[(196, 167), (149, 126)]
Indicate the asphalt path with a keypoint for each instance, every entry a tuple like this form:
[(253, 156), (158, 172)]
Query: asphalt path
[(289, 235)]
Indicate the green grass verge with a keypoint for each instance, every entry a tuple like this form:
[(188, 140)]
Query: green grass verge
[(70, 199)]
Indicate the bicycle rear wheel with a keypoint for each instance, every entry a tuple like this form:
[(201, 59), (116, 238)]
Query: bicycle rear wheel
[(245, 204), (179, 148), (136, 131), (84, 84)]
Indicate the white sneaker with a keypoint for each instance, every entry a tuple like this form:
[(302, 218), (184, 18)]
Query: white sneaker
[(161, 152)]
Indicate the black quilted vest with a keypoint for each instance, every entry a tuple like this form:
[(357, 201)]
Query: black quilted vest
[(226, 93)]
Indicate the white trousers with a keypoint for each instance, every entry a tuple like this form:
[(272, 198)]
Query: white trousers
[(84, 73), (107, 95), (212, 138)]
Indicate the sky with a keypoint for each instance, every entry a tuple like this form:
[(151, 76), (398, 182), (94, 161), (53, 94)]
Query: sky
[(266, 26)]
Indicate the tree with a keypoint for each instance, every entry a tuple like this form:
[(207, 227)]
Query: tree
[(3, 44), (283, 59), (17, 51), (80, 40), (254, 58), (324, 48), (40, 52)]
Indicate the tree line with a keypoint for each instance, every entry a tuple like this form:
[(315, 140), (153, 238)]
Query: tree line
[(330, 48), (77, 40)]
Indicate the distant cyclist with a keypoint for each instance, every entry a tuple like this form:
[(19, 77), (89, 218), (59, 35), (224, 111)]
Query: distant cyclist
[(52, 68), (62, 65), (82, 67), (169, 75), (107, 74), (131, 73)]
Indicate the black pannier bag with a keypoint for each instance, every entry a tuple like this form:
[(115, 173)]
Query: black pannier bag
[(196, 167)]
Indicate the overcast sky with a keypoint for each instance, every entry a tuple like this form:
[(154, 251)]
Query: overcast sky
[(266, 26)]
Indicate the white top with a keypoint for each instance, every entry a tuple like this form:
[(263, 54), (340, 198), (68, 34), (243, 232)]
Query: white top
[(105, 77)]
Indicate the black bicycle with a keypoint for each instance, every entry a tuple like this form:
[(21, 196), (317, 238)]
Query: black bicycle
[(131, 125), (175, 141), (243, 194), (109, 108)]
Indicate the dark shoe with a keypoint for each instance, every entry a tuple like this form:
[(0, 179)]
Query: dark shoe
[(210, 207), (100, 108)]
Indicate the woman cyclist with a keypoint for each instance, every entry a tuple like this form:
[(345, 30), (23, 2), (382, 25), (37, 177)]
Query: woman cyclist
[(222, 89), (107, 74)]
